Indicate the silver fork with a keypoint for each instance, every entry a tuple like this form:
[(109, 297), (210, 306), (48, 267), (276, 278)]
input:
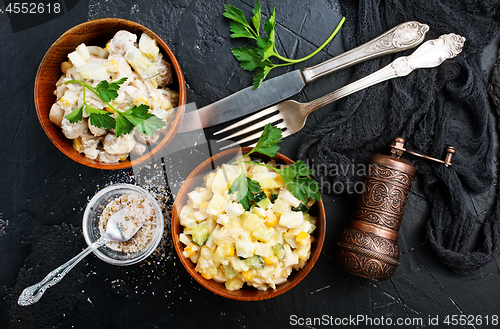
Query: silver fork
[(290, 116)]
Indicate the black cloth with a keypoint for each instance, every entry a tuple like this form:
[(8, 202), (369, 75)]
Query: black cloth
[(431, 109)]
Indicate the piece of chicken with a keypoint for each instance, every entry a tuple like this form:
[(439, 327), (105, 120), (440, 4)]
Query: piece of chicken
[(73, 130), (118, 145), (121, 42)]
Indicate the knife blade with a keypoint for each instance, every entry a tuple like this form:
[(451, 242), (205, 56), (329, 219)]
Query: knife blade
[(401, 37)]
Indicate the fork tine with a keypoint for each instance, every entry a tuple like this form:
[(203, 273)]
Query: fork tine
[(251, 118), (284, 133), (254, 137), (244, 140), (256, 126)]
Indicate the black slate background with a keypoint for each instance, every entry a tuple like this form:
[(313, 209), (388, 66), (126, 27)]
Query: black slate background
[(43, 194)]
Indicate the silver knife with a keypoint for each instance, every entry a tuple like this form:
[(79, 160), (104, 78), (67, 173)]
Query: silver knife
[(404, 36)]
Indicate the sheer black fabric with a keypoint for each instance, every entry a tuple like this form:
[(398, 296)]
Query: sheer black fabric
[(431, 109)]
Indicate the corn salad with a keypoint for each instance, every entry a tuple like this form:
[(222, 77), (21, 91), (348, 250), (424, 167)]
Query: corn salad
[(260, 246)]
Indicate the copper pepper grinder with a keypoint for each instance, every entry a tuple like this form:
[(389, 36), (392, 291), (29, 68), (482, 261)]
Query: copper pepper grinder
[(368, 247)]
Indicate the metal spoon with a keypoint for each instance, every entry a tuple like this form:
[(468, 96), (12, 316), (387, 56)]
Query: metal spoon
[(119, 228)]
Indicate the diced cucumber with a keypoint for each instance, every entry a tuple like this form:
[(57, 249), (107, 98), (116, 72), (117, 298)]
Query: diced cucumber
[(229, 271), (200, 234), (262, 200), (301, 207), (263, 234), (260, 196), (279, 251), (255, 262), (311, 229), (307, 217), (274, 196)]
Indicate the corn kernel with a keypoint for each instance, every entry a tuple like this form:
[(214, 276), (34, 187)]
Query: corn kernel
[(153, 82), (227, 251), (269, 261), (268, 193), (208, 276), (247, 275), (271, 219), (64, 102), (123, 157), (140, 100), (271, 223), (190, 250), (203, 206), (302, 238), (77, 145), (113, 65)]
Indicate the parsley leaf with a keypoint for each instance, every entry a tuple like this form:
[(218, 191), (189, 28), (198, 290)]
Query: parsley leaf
[(91, 110), (257, 13), (257, 58), (246, 189), (236, 15), (265, 48), (135, 117), (297, 181), (108, 90), (138, 116), (267, 143), (295, 177), (269, 25), (76, 115), (123, 126), (104, 120), (248, 57), (239, 31), (260, 75)]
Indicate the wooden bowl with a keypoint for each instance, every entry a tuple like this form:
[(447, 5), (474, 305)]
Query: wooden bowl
[(96, 33), (246, 293)]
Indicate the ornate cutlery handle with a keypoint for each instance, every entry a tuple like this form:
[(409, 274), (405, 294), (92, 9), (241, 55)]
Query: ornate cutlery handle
[(430, 54), (404, 36), (33, 293)]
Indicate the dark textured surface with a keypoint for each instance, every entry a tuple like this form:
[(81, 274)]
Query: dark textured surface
[(43, 195), (430, 109)]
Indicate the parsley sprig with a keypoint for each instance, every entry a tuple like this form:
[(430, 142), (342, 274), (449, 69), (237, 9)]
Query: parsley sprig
[(295, 177), (246, 189), (258, 58), (136, 116)]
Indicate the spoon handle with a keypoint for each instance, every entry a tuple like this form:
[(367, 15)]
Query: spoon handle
[(430, 54), (33, 293)]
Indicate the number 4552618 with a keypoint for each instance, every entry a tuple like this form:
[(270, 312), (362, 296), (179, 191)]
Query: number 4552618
[(33, 8), (471, 320)]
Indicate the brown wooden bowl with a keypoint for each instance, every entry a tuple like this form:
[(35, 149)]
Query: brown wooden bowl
[(246, 293), (96, 33)]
